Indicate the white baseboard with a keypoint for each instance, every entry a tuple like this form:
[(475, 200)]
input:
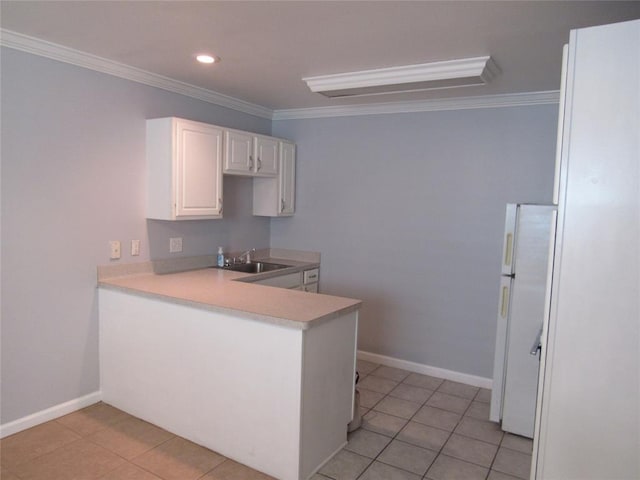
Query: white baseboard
[(49, 414), (426, 369)]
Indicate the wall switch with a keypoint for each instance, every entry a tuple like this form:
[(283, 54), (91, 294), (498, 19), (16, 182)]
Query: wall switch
[(114, 245), (135, 248), (175, 244)]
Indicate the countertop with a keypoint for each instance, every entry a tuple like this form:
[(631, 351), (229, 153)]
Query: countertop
[(231, 292)]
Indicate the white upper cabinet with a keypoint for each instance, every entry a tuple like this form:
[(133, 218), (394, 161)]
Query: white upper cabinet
[(266, 153), (238, 153), (250, 154), (287, 178), (184, 169), (186, 161), (275, 197)]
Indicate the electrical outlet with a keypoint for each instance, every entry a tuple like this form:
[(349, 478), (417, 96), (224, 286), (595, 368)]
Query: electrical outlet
[(114, 246), (135, 248), (175, 244)]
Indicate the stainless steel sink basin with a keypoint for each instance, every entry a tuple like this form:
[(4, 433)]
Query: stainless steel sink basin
[(255, 267)]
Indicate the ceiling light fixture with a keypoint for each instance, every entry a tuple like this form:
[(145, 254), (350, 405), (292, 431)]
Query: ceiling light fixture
[(205, 58), (410, 78)]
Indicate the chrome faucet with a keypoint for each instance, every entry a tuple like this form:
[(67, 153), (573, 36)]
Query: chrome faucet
[(246, 254)]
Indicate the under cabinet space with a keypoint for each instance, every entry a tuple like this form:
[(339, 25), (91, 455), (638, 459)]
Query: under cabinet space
[(184, 169)]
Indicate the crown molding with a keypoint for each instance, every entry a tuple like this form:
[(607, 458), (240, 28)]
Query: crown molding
[(461, 103), (60, 53), (53, 51)]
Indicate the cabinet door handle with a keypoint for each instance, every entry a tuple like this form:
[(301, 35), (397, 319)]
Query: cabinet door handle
[(259, 164), (282, 205), (250, 162), (220, 203)]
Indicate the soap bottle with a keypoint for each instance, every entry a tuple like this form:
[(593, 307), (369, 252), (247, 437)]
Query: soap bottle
[(220, 260)]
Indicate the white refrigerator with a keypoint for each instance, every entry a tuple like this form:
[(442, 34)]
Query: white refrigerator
[(588, 417), (529, 230)]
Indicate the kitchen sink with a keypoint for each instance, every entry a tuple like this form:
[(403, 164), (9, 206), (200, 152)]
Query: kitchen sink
[(255, 267)]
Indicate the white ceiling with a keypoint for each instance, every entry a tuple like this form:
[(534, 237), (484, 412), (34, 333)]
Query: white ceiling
[(268, 46)]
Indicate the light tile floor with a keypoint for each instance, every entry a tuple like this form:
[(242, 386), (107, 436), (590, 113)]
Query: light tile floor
[(414, 427), (421, 427), (102, 442)]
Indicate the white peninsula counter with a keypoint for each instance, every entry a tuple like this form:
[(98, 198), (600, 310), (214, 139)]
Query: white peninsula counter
[(262, 375)]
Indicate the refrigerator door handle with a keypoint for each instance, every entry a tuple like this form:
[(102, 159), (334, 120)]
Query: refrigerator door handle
[(508, 249), (509, 240), (537, 345), (504, 302)]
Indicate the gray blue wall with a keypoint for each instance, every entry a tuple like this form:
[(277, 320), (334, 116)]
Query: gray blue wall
[(408, 212), (406, 209), (73, 178)]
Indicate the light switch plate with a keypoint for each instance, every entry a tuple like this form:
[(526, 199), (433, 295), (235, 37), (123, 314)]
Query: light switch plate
[(114, 246), (135, 248)]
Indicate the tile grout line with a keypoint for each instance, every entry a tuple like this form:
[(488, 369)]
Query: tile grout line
[(407, 422), (396, 434), (50, 422), (440, 451), (391, 438), (462, 417), (147, 451)]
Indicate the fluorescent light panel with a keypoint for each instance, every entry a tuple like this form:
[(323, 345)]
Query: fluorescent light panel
[(426, 76)]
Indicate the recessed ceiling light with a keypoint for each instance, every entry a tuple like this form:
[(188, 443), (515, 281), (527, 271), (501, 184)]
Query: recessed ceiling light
[(410, 78), (205, 58)]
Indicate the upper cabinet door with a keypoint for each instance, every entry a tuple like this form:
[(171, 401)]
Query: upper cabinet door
[(198, 170), (239, 157), (287, 178), (250, 154), (184, 169), (266, 155)]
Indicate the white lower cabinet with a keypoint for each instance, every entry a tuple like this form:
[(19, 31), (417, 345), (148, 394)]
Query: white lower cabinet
[(274, 398), (306, 280), (291, 280), (184, 169), (275, 197), (310, 280)]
